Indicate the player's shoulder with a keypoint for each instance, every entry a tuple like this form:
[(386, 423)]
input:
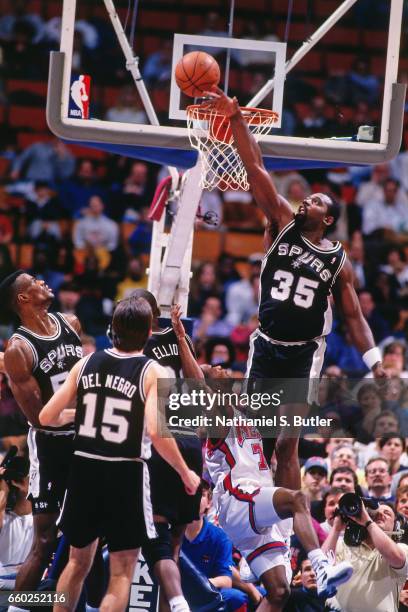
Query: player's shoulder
[(72, 321)]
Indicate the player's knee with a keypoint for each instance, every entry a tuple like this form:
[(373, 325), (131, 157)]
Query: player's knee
[(79, 568), (279, 594), (43, 545)]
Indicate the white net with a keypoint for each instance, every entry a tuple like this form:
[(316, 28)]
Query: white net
[(210, 133)]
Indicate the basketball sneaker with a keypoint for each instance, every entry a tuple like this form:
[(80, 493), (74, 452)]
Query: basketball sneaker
[(329, 577)]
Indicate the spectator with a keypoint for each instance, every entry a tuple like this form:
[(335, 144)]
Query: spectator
[(204, 283), (42, 270), (157, 67), (304, 598), (401, 502), (315, 123), (344, 478), (378, 476), (68, 297), (16, 520), (314, 478), (141, 238), (95, 229), (363, 86), (356, 257), (330, 504), (392, 447), (343, 456), (13, 424), (369, 407), (76, 193), (379, 326), (128, 108), (135, 279), (210, 550), (219, 351), (50, 162), (43, 210), (6, 228), (372, 189), (380, 565), (397, 273), (242, 300), (136, 194), (17, 13), (227, 270), (388, 213), (211, 322)]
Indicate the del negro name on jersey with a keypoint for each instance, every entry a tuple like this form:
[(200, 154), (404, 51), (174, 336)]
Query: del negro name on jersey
[(124, 386)]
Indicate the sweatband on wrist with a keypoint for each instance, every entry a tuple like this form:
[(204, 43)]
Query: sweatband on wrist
[(372, 356)]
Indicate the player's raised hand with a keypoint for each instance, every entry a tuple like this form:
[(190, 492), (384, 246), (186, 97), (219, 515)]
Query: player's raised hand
[(219, 101), (178, 327), (379, 372), (191, 482)]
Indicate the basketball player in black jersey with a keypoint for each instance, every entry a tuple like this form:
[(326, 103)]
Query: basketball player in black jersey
[(300, 271), (116, 420), (171, 505), (37, 360)]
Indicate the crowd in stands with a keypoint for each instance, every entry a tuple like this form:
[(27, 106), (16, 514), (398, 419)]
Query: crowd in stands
[(82, 225)]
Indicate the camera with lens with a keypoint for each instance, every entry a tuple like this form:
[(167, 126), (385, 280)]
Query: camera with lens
[(16, 469), (351, 506)]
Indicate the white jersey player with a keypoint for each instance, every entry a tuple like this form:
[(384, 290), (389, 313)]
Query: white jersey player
[(249, 505)]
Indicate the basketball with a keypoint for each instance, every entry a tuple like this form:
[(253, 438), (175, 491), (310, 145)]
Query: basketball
[(197, 72)]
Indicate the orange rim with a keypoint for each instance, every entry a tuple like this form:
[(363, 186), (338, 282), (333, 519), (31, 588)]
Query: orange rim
[(258, 116)]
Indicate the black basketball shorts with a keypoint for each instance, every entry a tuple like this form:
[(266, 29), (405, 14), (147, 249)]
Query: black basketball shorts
[(50, 461), (169, 497), (109, 499), (294, 368)]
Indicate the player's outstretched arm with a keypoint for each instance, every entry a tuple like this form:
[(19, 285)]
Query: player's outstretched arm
[(165, 446), (191, 369), (18, 363), (55, 411), (346, 299), (2, 362), (274, 206)]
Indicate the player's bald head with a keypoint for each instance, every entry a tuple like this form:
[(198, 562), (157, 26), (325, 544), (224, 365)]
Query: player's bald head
[(10, 288)]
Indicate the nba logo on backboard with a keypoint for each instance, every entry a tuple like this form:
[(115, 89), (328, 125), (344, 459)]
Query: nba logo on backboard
[(79, 97)]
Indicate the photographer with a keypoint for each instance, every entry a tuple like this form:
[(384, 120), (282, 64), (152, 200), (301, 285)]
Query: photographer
[(380, 565), (16, 520)]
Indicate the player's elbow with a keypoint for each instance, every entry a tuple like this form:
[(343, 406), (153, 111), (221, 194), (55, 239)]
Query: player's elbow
[(44, 417)]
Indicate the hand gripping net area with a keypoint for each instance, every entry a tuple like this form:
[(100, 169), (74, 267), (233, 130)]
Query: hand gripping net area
[(210, 133)]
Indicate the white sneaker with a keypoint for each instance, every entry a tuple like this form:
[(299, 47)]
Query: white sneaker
[(329, 577)]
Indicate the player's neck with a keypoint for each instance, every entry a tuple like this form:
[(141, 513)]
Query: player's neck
[(314, 236), (127, 353), (39, 322), (155, 325)]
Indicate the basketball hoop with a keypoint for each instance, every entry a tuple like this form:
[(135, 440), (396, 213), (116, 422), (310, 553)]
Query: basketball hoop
[(210, 133)]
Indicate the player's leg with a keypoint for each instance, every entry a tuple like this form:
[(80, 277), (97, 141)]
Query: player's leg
[(302, 363), (73, 576), (277, 589), (286, 503), (162, 559), (44, 541), (121, 567)]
